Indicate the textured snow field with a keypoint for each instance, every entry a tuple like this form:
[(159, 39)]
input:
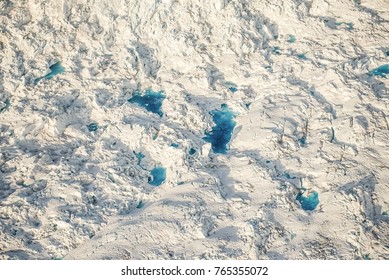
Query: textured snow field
[(308, 115)]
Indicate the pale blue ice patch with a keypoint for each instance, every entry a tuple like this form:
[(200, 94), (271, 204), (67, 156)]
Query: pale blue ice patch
[(291, 39), (350, 25)]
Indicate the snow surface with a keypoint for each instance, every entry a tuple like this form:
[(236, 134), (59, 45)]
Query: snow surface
[(310, 115)]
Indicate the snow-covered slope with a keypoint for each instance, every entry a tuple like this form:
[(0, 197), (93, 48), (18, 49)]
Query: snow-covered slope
[(76, 157)]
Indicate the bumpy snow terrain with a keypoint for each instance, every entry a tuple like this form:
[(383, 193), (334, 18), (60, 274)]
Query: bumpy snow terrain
[(108, 110)]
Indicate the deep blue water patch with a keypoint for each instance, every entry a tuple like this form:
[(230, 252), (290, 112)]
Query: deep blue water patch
[(55, 69), (288, 176), (302, 56), (387, 53), (139, 156), (291, 39), (158, 176), (380, 71), (192, 151), (150, 100), (366, 257), (140, 204), (7, 104), (221, 133), (309, 202), (233, 89), (276, 50), (174, 145), (303, 140), (92, 126)]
